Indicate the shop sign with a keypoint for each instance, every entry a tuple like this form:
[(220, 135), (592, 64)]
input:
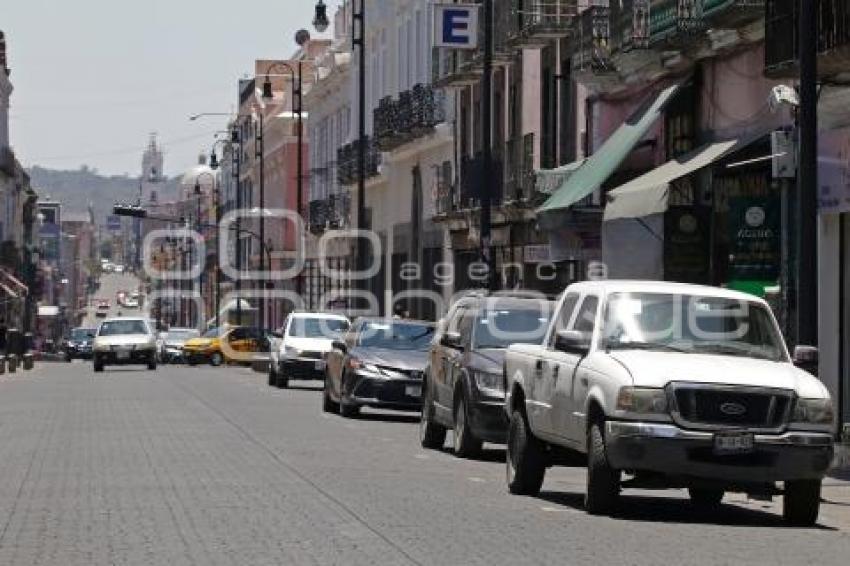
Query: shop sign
[(754, 231), (834, 171), (686, 248)]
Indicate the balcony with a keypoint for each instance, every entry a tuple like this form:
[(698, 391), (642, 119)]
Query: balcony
[(413, 115), (782, 39), (593, 49), (681, 22), (7, 161), (535, 23), (453, 68), (347, 161), (318, 215)]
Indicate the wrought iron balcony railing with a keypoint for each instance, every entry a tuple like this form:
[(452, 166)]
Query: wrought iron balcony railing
[(318, 215), (593, 40), (347, 161), (413, 115), (535, 23), (471, 187), (782, 38)]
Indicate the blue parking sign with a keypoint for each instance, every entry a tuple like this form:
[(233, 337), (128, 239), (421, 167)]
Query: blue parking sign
[(456, 25)]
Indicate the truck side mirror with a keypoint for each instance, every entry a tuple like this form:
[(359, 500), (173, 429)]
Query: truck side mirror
[(572, 342), (807, 358)]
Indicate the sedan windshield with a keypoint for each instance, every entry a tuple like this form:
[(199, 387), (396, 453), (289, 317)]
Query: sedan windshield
[(396, 336), (330, 328), (181, 335), (80, 334), (691, 324), (119, 327), (499, 328)]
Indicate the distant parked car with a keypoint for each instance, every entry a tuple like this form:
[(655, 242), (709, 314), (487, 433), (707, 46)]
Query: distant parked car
[(78, 344), (119, 268), (124, 341), (171, 343), (299, 352), (464, 384), (378, 363)]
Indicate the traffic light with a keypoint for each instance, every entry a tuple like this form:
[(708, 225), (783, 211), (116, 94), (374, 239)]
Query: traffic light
[(129, 210)]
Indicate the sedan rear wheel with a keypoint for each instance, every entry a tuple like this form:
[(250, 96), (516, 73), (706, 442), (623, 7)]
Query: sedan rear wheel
[(216, 359)]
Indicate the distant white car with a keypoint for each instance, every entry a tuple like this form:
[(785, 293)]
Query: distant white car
[(131, 303), (301, 346), (124, 341), (119, 269)]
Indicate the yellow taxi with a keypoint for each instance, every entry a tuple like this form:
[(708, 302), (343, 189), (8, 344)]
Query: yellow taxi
[(208, 348)]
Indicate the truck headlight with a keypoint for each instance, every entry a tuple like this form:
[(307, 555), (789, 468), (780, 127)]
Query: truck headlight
[(642, 400), (813, 411), (493, 383)]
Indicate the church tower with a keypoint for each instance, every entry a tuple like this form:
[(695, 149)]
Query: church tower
[(152, 173)]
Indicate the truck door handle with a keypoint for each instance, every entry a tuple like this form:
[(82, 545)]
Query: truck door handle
[(584, 381), (538, 366), (555, 372)]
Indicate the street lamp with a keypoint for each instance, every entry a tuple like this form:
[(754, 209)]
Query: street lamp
[(297, 93), (320, 21), (199, 193)]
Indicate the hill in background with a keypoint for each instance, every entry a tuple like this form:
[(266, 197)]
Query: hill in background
[(76, 190)]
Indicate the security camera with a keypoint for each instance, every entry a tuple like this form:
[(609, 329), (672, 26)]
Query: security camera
[(782, 95)]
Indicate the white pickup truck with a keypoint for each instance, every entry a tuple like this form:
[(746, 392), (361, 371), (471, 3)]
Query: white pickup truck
[(668, 385)]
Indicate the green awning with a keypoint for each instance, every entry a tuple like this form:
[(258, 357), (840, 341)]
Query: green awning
[(599, 166), (648, 194), (548, 180)]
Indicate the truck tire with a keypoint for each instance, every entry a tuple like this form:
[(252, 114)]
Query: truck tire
[(431, 434), (526, 463), (603, 482), (705, 499), (466, 445), (272, 375), (98, 365), (801, 503)]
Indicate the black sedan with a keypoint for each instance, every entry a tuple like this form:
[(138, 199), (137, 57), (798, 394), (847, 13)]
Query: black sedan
[(378, 363), (77, 346)]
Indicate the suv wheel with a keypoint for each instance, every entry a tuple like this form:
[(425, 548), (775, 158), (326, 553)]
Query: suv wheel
[(431, 435), (801, 503), (526, 464), (603, 482), (466, 445), (152, 364), (98, 365)]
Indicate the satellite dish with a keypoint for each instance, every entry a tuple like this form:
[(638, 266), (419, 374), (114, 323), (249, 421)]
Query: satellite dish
[(302, 36)]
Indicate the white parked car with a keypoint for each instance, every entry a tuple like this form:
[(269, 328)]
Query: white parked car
[(299, 350), (671, 385), (124, 341)]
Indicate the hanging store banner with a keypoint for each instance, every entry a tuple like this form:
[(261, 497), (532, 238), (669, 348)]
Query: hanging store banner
[(834, 171), (754, 231), (456, 25)]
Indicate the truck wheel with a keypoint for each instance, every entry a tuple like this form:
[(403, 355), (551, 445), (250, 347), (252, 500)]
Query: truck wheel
[(705, 499), (465, 444), (526, 464), (272, 375), (98, 365), (282, 380), (152, 365), (431, 435), (801, 503), (603, 482)]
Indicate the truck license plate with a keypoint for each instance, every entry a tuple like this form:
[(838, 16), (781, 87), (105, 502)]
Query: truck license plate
[(123, 354), (733, 443)]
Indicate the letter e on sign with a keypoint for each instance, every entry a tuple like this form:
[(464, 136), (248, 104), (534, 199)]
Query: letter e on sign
[(456, 26)]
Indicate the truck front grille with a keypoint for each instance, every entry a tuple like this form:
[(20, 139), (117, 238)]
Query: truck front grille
[(712, 407)]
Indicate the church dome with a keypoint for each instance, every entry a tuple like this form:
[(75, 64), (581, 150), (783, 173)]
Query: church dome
[(201, 174)]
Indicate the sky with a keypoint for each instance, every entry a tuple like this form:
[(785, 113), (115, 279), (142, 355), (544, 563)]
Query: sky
[(94, 78)]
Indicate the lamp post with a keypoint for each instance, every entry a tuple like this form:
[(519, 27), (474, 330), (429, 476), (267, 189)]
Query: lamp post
[(199, 195), (297, 92), (236, 138)]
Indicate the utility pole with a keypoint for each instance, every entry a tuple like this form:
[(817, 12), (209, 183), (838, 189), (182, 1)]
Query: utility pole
[(486, 188), (359, 40), (807, 184)]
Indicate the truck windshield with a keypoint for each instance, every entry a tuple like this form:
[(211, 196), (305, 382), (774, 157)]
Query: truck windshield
[(120, 327), (317, 327), (691, 324)]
